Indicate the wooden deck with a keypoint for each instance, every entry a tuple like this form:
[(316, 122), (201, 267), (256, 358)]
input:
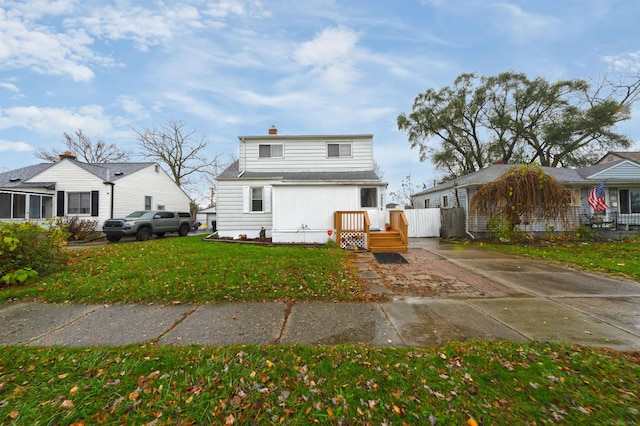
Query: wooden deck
[(353, 230)]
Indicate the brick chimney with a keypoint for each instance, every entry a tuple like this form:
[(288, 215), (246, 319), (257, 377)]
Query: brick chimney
[(273, 130), (67, 154)]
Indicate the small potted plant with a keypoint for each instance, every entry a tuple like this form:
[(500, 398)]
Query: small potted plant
[(387, 226)]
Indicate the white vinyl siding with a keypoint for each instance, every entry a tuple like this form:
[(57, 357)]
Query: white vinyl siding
[(131, 192), (233, 217), (307, 154)]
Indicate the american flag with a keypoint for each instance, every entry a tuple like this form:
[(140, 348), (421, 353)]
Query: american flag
[(596, 198)]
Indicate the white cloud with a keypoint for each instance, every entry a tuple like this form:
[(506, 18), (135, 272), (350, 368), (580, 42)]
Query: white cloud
[(14, 146), (44, 51), (145, 27), (10, 87), (625, 62), (224, 8), (131, 106), (521, 25), (330, 55), (55, 121)]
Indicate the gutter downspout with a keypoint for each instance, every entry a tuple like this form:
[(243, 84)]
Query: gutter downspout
[(108, 182)]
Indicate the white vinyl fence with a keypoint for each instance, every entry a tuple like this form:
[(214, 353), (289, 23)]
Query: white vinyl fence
[(423, 222)]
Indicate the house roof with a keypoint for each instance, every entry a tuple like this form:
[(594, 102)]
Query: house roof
[(630, 155), (18, 178), (233, 172), (309, 137), (493, 172)]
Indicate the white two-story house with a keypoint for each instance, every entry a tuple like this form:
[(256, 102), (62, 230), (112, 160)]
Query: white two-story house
[(292, 185)]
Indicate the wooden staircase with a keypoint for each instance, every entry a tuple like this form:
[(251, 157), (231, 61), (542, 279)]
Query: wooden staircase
[(386, 242), (353, 230)]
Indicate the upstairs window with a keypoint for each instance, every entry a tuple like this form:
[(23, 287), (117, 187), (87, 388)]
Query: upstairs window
[(270, 151), (338, 150)]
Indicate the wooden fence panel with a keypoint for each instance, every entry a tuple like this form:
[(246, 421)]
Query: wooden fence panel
[(453, 225)]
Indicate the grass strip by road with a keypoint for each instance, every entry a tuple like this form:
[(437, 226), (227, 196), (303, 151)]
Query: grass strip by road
[(619, 258), (500, 383), (189, 270)]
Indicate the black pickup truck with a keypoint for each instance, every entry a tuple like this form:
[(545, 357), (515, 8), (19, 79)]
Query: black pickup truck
[(143, 223)]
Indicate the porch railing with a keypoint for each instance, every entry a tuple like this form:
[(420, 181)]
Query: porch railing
[(399, 223), (610, 218), (352, 229)]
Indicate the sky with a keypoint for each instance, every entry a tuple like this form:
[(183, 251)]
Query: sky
[(228, 68)]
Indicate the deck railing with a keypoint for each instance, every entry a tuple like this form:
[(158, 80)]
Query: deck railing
[(399, 223), (352, 229)]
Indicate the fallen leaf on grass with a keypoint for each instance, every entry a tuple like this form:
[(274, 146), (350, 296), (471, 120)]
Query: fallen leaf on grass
[(67, 404)]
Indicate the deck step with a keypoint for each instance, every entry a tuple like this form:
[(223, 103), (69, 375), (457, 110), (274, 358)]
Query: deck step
[(386, 242)]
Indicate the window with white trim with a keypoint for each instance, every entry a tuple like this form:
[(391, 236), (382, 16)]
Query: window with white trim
[(79, 203), (147, 202), (270, 151), (256, 199), (629, 201), (19, 206), (445, 201), (335, 150)]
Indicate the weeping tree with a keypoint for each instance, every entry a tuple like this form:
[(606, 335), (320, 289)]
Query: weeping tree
[(520, 196)]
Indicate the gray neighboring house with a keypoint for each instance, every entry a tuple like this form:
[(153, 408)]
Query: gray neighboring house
[(620, 171)]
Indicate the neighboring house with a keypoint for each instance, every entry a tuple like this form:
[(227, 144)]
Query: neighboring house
[(292, 185), (92, 191), (207, 217), (619, 171)]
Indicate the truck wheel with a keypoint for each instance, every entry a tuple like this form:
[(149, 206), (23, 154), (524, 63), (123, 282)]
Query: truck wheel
[(184, 230), (143, 234), (113, 238), (160, 234)]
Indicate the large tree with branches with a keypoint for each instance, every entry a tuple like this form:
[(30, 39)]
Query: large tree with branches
[(85, 149), (179, 148), (522, 195), (466, 127)]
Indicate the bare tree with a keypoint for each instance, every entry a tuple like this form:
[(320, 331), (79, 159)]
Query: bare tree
[(179, 149), (406, 191), (85, 149)]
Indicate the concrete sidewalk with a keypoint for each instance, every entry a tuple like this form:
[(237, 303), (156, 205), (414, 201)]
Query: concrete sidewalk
[(446, 292)]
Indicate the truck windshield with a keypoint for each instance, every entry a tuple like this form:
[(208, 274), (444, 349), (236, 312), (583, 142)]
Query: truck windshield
[(137, 214)]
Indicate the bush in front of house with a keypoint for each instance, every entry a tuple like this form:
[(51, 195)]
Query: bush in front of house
[(78, 229), (28, 250)]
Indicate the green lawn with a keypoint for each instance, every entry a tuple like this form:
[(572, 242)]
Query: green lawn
[(481, 382), (498, 383), (619, 258), (189, 270)]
